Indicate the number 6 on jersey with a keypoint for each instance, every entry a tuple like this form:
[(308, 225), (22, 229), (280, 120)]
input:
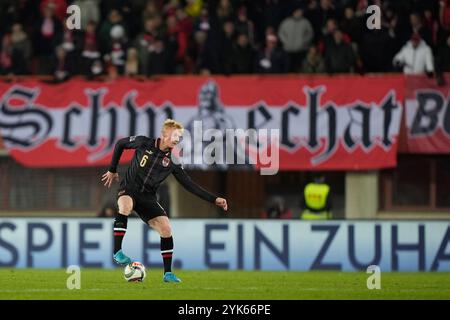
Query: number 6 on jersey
[(143, 160)]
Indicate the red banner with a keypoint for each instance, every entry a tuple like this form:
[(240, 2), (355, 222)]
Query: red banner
[(326, 123), (427, 115)]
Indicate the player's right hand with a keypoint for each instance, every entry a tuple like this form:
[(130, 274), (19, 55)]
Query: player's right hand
[(109, 177)]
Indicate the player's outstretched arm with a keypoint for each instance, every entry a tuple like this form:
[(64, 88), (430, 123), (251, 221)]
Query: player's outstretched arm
[(186, 181)]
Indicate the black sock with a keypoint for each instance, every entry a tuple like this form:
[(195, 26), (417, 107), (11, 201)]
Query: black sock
[(120, 228), (166, 252)]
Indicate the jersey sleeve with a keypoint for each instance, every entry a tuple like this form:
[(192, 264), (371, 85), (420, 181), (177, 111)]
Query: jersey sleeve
[(132, 142), (191, 186)]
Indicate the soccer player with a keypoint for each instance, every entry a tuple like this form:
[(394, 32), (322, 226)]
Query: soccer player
[(149, 167)]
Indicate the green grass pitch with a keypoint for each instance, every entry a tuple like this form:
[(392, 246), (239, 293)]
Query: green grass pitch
[(104, 284)]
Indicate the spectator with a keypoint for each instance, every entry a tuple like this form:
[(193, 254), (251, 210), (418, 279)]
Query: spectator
[(48, 36), (296, 34), (271, 59), (417, 27), (316, 203), (376, 60), (444, 14), (352, 25), (276, 209), (89, 49), (224, 12), (176, 44), (104, 35), (63, 66), (415, 57), (244, 26), (59, 8), (243, 56), (313, 62), (443, 58), (339, 57), (20, 47), (158, 62), (144, 43), (226, 47), (132, 64), (118, 48)]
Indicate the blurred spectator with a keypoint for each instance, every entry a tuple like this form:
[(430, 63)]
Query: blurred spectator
[(226, 47), (59, 8), (194, 7), (6, 55), (145, 41), (296, 34), (202, 54), (63, 65), (313, 62), (109, 210), (375, 59), (271, 59), (443, 58), (352, 25), (104, 35), (176, 44), (132, 64), (444, 14), (48, 36), (90, 52), (316, 203), (244, 26), (243, 56), (16, 51), (118, 48), (417, 27), (157, 59), (224, 12), (415, 57), (339, 56), (276, 209)]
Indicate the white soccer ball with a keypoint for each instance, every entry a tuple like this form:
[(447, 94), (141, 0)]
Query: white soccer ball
[(134, 272)]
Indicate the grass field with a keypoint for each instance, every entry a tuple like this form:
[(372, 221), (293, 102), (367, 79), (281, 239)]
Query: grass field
[(230, 285)]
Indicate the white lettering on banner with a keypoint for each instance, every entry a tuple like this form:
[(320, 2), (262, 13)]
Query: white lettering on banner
[(232, 244)]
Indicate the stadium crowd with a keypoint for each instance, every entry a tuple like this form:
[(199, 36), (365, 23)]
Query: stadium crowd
[(153, 37)]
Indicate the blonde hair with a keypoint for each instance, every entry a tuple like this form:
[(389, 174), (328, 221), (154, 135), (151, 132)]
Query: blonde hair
[(172, 124)]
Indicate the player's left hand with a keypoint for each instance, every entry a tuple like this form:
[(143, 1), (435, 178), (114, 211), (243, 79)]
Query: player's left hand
[(221, 202), (109, 177)]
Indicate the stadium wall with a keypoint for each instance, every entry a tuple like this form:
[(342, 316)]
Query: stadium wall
[(232, 244)]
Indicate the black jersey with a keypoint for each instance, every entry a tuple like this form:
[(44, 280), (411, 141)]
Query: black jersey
[(150, 166)]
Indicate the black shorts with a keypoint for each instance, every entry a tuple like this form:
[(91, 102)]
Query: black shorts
[(144, 204)]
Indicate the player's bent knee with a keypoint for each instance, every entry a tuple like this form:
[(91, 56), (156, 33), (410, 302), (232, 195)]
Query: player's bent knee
[(125, 204)]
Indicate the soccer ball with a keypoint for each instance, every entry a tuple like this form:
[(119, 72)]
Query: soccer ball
[(134, 272)]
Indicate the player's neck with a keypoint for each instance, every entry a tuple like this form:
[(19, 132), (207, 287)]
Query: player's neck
[(162, 146)]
